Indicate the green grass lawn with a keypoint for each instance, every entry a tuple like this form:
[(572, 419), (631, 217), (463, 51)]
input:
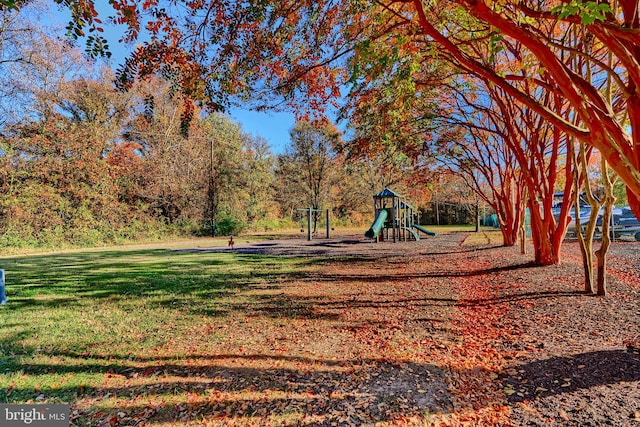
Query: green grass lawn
[(74, 317)]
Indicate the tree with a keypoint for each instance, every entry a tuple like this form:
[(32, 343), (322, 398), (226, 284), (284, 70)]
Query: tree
[(522, 22), (34, 65), (538, 146), (229, 150), (535, 144), (58, 187), (351, 193), (490, 167), (174, 165), (258, 172), (308, 165), (204, 171), (601, 253)]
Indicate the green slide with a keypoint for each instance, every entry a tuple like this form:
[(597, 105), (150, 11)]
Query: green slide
[(377, 225), (413, 233), (424, 230)]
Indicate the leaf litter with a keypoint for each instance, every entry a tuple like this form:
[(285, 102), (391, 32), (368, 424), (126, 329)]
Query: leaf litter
[(427, 333)]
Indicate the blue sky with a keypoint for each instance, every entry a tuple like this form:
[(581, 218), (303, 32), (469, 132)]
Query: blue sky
[(273, 126)]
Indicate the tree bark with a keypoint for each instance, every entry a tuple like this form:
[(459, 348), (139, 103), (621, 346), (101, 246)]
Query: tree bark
[(601, 253)]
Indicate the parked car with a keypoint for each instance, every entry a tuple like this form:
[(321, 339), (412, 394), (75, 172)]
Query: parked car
[(623, 221), (585, 213)]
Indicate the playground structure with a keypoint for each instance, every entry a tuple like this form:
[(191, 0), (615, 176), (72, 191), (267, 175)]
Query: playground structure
[(394, 219)]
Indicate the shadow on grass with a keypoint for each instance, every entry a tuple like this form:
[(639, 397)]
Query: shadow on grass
[(264, 386), (193, 281), (193, 387), (244, 386), (164, 276)]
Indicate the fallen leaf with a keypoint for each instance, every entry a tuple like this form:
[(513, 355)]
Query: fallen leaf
[(563, 414)]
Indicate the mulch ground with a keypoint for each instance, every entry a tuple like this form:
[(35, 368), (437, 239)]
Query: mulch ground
[(419, 333)]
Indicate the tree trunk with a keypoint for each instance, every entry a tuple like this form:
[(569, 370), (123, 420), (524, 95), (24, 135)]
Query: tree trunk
[(585, 238), (316, 215), (586, 249), (601, 253), (507, 238), (523, 224), (601, 256), (546, 250), (509, 221)]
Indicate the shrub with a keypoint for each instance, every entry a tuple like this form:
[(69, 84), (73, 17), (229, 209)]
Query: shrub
[(227, 224)]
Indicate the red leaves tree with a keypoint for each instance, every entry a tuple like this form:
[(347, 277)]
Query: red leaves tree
[(542, 28)]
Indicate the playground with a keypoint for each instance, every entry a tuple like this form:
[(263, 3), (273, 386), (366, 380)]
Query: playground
[(344, 331), (395, 219)]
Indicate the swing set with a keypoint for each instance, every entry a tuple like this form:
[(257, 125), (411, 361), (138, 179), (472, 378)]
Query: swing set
[(309, 215)]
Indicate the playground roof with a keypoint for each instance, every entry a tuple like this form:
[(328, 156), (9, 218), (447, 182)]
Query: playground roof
[(387, 193)]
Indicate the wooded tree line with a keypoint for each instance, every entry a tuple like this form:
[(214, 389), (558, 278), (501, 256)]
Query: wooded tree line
[(96, 165), (84, 163)]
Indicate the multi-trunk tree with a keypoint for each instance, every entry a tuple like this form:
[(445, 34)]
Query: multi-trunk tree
[(490, 167), (543, 29), (538, 147)]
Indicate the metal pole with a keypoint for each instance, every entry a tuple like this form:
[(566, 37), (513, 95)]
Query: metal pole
[(328, 226), (309, 224), (395, 217), (405, 222)]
